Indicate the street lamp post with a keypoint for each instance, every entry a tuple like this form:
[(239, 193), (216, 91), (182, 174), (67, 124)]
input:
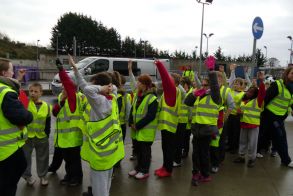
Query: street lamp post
[(208, 36), (58, 34), (291, 40), (144, 42), (38, 53), (207, 2), (266, 50)]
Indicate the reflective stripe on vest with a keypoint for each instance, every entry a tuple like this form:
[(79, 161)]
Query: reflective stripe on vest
[(184, 111), (148, 132), (11, 137), (37, 127), (207, 111), (281, 103), (251, 112), (168, 116), (103, 150), (68, 127), (237, 97)]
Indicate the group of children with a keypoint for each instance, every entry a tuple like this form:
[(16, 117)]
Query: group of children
[(92, 125)]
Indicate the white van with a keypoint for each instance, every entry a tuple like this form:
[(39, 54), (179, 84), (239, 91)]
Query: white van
[(92, 65)]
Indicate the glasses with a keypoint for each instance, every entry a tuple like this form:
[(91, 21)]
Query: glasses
[(205, 85)]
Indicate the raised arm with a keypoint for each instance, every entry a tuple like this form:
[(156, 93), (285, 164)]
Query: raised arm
[(168, 84), (131, 76), (69, 86)]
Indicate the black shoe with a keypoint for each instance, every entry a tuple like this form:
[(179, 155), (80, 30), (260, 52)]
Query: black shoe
[(64, 181), (251, 163), (74, 182), (53, 171), (184, 155), (239, 160), (89, 192)]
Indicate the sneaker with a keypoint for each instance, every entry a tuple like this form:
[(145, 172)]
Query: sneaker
[(164, 173), (239, 160), (251, 163), (214, 170), (159, 170), (132, 157), (290, 164), (141, 175), (44, 181), (176, 164), (273, 154), (30, 180), (132, 172), (258, 155), (195, 179), (205, 179)]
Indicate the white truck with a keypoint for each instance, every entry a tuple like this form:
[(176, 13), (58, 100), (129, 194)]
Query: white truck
[(92, 65)]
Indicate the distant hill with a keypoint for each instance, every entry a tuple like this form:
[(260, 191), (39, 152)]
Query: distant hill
[(17, 50)]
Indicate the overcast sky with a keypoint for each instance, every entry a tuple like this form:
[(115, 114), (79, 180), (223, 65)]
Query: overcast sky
[(166, 24)]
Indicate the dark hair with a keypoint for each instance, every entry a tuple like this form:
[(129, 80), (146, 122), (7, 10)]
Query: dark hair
[(102, 78), (286, 73), (4, 65), (255, 92), (36, 84), (186, 80)]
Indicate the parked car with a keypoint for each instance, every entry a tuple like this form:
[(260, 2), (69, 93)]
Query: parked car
[(92, 65)]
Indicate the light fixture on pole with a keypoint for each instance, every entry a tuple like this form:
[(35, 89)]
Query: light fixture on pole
[(265, 47), (206, 2), (208, 36), (144, 47), (195, 52), (291, 53), (38, 53)]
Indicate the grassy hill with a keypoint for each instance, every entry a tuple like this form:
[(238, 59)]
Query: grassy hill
[(18, 50)]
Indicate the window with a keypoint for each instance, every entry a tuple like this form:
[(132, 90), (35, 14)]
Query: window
[(122, 68), (99, 66)]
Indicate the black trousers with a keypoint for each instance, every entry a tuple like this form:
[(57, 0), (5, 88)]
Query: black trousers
[(222, 143), (11, 170), (168, 147), (57, 159), (144, 154), (72, 164), (186, 140), (215, 160), (123, 127), (279, 138), (265, 135), (179, 139), (201, 155), (233, 131)]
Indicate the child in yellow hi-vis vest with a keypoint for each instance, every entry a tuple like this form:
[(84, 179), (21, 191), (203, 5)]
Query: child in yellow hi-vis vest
[(250, 109), (38, 134)]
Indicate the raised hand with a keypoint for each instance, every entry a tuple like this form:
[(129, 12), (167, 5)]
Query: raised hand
[(72, 63), (210, 62), (130, 66), (20, 74)]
